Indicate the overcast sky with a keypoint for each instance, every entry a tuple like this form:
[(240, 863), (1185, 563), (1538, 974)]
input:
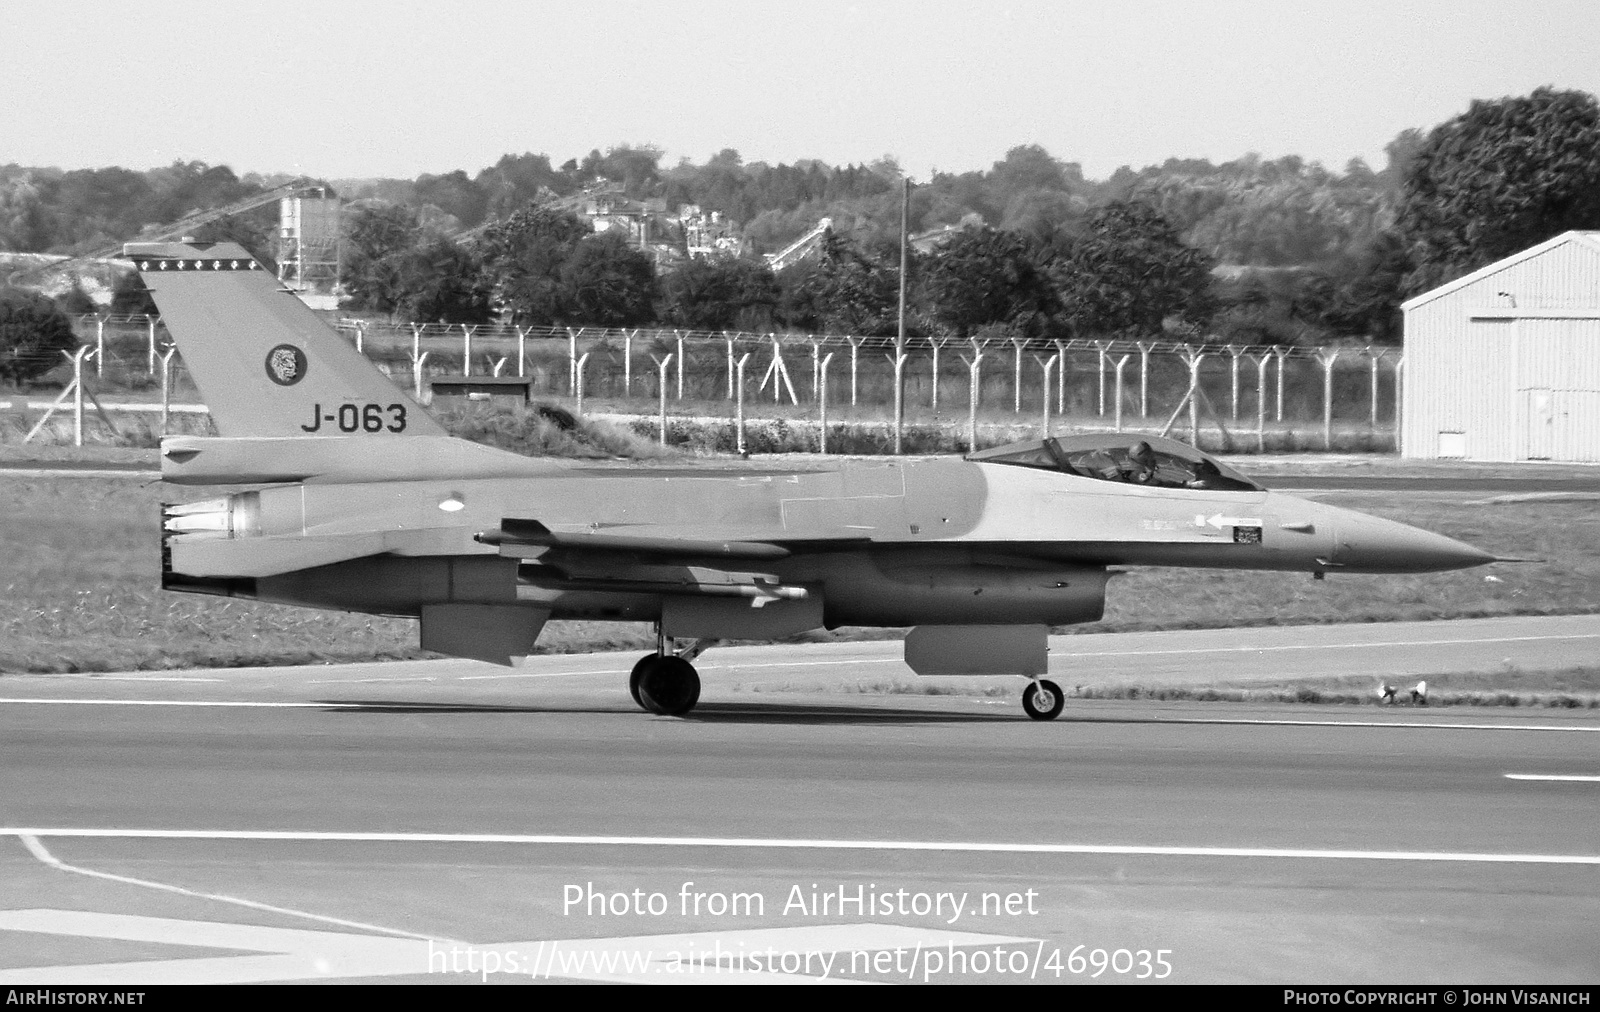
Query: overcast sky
[(350, 89)]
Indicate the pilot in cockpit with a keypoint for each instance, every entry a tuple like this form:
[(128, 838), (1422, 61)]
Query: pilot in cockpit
[(1141, 468)]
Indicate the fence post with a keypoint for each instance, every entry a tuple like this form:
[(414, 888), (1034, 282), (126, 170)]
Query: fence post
[(1262, 361), (822, 403), (1061, 376), (936, 343), (679, 335), (1327, 357), (416, 373), (1044, 394), (1373, 358), (899, 360), (416, 342), (738, 423), (77, 394), (466, 349), (499, 364), (855, 347), (1282, 354), (816, 366), (662, 364), (150, 359), (572, 359), (166, 387), (778, 373), (729, 338), (1016, 376), (974, 377), (627, 362), (1100, 369), (582, 362), (1123, 361), (1194, 358), (1144, 378), (361, 333), (1234, 351), (522, 351), (99, 346)]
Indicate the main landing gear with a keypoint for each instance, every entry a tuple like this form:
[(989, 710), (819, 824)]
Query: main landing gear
[(1043, 699), (665, 682)]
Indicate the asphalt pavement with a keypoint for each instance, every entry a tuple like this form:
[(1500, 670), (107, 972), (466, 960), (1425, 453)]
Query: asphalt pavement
[(363, 822)]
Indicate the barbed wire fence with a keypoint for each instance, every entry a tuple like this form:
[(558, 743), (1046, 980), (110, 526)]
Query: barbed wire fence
[(1237, 394)]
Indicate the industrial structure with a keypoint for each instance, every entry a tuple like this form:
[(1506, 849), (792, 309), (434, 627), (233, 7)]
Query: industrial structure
[(309, 246), (1504, 363)]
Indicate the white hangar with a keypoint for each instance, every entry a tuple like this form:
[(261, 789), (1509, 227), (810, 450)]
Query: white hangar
[(1504, 364)]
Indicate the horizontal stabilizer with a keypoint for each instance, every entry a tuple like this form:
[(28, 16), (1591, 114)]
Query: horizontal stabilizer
[(514, 532)]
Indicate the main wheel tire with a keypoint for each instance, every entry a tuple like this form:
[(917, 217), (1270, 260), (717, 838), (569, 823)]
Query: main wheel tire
[(1043, 699), (638, 673), (670, 686)]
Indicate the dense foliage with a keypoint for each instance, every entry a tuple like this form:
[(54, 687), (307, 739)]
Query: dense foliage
[(1499, 178), (33, 334)]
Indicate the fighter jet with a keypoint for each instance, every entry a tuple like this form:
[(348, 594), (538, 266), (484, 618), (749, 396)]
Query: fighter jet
[(370, 506)]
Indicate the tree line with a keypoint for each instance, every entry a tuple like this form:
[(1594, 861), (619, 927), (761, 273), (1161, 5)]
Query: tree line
[(1252, 250)]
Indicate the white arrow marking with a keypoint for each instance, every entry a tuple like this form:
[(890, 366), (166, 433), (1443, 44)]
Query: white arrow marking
[(284, 954), (1219, 521)]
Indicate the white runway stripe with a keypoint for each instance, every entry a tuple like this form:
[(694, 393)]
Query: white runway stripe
[(759, 843), (1362, 723), (1348, 645), (196, 702), (1553, 776)]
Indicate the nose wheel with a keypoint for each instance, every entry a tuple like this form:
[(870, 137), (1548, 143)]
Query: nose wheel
[(1043, 699)]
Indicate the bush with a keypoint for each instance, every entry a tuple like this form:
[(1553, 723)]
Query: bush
[(33, 334)]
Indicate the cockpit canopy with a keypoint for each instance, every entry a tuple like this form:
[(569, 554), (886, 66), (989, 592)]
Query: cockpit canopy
[(1151, 461)]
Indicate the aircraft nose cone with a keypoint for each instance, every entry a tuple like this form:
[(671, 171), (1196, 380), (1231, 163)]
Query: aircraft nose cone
[(1373, 545)]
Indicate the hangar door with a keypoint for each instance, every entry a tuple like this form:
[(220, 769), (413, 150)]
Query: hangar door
[(1559, 386)]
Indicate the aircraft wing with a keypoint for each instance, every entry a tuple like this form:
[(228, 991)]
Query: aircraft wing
[(523, 538), (643, 559)]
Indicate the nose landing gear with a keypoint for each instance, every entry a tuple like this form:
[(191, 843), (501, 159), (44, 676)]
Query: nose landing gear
[(1043, 699)]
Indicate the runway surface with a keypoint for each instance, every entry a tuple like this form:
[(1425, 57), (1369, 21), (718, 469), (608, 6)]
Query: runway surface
[(357, 822)]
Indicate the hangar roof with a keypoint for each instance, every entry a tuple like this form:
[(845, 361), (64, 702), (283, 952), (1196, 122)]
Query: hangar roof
[(1589, 239)]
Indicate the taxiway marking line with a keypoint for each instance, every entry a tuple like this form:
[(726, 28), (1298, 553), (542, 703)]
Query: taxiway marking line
[(201, 702), (1593, 728), (1327, 646), (39, 851), (1553, 776), (763, 843)]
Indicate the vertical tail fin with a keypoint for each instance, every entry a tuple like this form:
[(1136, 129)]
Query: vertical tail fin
[(264, 362)]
